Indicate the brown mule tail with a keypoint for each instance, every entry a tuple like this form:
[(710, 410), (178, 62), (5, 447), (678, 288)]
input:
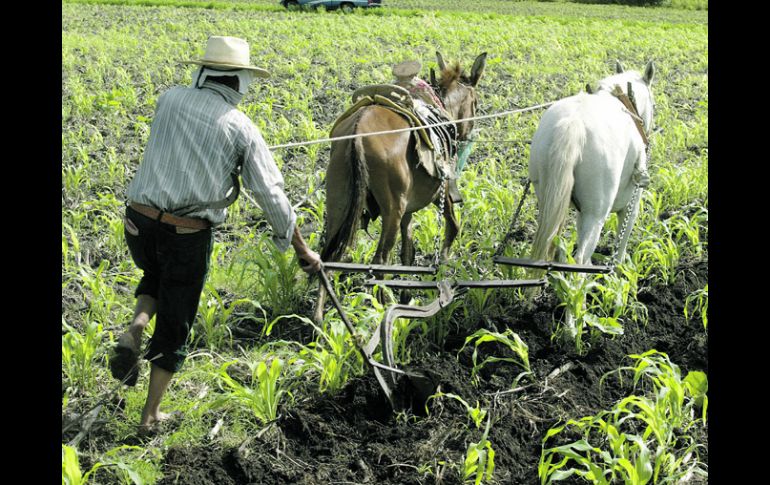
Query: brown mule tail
[(353, 151)]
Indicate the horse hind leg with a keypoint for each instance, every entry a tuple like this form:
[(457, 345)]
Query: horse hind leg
[(391, 220), (589, 227), (407, 240), (407, 249)]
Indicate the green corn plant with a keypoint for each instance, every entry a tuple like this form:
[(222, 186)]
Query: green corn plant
[(508, 339), (212, 329), (70, 262), (661, 452), (129, 466), (686, 232), (275, 276), (676, 397), (656, 254), (475, 413), (402, 329), (699, 301), (479, 462), (571, 291), (615, 297), (625, 457), (262, 395), (70, 467), (74, 178), (128, 470), (102, 298), (78, 351), (331, 356)]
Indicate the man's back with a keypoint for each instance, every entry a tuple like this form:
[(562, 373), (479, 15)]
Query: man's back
[(196, 140)]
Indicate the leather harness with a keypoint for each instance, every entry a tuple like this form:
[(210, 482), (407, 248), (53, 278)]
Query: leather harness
[(631, 108)]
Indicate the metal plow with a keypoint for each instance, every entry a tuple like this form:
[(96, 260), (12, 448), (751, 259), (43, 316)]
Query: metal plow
[(411, 389)]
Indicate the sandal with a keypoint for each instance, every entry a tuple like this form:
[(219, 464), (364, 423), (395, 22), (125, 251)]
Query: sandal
[(124, 361)]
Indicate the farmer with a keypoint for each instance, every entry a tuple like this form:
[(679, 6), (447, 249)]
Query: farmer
[(406, 77), (197, 141)]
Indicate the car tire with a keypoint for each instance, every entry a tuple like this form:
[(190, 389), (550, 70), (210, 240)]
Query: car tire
[(347, 7)]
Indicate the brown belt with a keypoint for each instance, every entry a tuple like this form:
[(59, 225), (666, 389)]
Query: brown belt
[(167, 218)]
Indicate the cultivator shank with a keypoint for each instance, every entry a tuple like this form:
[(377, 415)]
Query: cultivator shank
[(388, 375)]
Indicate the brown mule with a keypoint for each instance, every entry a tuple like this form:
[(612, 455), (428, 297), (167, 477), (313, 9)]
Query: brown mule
[(380, 173)]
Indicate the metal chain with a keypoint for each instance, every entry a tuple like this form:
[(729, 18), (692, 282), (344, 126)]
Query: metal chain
[(442, 201), (624, 226), (526, 182)]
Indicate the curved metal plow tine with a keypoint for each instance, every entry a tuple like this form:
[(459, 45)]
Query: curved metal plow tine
[(446, 295)]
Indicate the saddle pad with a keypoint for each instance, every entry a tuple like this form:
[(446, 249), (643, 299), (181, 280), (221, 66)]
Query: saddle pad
[(386, 103)]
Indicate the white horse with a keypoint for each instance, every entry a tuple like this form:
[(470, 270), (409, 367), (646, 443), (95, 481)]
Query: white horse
[(588, 150)]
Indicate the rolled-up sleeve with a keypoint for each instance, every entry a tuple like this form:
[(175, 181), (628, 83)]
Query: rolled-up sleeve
[(262, 177)]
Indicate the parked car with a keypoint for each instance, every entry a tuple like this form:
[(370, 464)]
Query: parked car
[(345, 5)]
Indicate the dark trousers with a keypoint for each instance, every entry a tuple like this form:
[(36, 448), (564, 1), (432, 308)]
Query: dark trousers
[(175, 267)]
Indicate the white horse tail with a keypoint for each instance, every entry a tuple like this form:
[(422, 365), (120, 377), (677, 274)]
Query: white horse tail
[(557, 178)]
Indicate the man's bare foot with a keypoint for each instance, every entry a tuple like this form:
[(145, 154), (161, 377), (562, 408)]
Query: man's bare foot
[(152, 423)]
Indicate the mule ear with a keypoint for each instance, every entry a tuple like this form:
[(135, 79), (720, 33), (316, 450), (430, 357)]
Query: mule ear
[(433, 77), (440, 59), (618, 67), (649, 73), (478, 68)]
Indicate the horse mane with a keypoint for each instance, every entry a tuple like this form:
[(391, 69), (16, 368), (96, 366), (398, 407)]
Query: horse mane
[(450, 75), (620, 79)]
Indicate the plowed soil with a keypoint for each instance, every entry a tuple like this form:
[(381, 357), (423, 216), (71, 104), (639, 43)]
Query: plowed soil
[(354, 437)]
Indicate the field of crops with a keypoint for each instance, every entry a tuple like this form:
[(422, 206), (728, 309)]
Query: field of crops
[(269, 397)]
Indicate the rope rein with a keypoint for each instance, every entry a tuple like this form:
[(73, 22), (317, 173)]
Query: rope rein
[(414, 128)]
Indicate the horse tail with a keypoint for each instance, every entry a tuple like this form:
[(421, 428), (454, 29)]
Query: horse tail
[(354, 181), (557, 181)]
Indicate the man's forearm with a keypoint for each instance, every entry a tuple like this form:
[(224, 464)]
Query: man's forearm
[(298, 243)]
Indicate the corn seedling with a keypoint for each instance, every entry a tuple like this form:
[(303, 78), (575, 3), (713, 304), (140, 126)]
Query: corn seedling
[(101, 297), (480, 459), (331, 356), (615, 297), (659, 256), (125, 464), (70, 467), (663, 378), (212, 329), (508, 339), (571, 289), (686, 232), (262, 394), (641, 439), (699, 302), (475, 413), (78, 350), (275, 276)]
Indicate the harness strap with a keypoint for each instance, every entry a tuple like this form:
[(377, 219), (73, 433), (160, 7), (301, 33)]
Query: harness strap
[(631, 109)]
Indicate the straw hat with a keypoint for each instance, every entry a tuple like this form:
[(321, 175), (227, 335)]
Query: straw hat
[(228, 53), (406, 70)]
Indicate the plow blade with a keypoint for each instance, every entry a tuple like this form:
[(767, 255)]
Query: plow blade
[(552, 265)]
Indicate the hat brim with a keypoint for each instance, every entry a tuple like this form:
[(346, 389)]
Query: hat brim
[(259, 72)]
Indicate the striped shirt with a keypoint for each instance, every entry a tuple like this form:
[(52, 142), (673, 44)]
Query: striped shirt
[(197, 138)]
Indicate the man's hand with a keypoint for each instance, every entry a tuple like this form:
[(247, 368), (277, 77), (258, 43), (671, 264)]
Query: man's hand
[(310, 261)]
